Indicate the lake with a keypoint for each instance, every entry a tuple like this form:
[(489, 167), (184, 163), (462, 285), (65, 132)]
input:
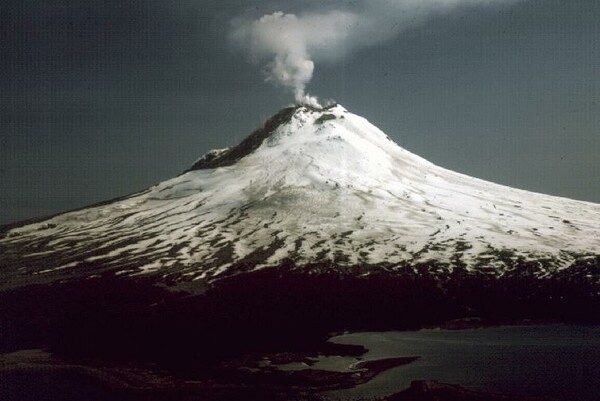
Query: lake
[(558, 361)]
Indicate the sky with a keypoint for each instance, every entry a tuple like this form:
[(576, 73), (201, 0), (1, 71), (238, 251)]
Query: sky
[(102, 98)]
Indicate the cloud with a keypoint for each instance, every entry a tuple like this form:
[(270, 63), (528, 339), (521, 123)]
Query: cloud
[(289, 44)]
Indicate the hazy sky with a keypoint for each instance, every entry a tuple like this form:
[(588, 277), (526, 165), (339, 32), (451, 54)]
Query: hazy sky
[(100, 98)]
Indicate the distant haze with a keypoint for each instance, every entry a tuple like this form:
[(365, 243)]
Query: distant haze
[(102, 98)]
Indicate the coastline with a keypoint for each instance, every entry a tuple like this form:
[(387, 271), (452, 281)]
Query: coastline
[(173, 344), (279, 376)]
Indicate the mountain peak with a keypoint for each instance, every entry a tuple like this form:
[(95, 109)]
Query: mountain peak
[(229, 156)]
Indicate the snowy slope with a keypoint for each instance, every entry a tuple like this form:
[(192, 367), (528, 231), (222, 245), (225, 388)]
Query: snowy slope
[(311, 186)]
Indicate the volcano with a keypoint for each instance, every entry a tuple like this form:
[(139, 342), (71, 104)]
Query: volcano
[(315, 190), (316, 223)]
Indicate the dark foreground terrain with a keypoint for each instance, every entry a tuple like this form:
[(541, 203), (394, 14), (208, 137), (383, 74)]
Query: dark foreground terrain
[(137, 338), (35, 375)]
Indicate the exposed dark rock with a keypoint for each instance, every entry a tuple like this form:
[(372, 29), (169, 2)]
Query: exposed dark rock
[(248, 145)]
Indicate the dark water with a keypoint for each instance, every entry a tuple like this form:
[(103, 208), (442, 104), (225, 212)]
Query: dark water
[(562, 362)]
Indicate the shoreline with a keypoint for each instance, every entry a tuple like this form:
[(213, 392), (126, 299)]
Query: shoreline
[(109, 323), (115, 385), (259, 374), (26, 367)]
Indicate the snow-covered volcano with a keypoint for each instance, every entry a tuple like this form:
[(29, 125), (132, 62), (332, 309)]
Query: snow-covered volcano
[(311, 187)]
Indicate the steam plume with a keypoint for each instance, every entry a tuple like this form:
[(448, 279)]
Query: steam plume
[(290, 44)]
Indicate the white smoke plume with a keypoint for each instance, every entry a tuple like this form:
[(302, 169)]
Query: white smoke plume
[(291, 44)]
